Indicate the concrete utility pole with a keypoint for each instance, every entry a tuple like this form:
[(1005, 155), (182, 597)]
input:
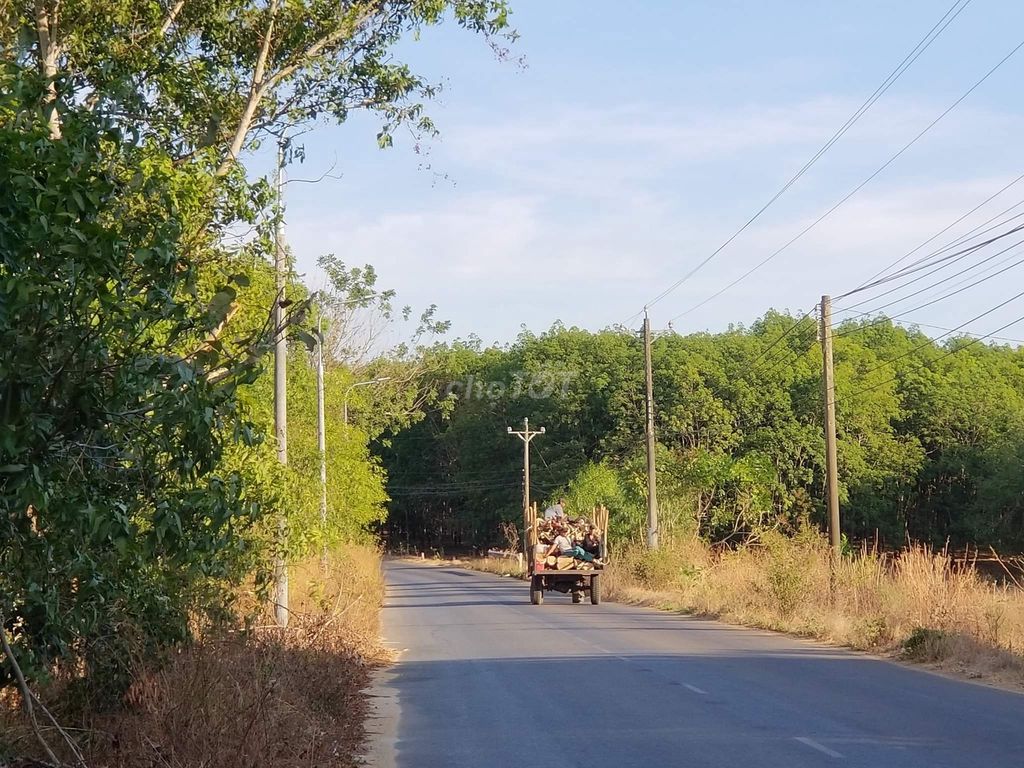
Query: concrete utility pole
[(321, 437), (280, 392), (652, 475), (831, 461), (526, 435)]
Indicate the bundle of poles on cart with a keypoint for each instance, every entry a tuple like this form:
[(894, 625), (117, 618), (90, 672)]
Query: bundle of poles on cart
[(566, 542)]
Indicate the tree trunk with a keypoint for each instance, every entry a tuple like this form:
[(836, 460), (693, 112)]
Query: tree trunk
[(46, 29), (255, 95)]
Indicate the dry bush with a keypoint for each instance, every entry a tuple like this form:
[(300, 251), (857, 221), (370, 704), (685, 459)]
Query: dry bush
[(915, 603), (510, 532), (501, 566), (257, 696)]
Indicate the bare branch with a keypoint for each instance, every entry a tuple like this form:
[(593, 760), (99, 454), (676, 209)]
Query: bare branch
[(215, 334), (328, 174), (26, 693), (262, 82), (258, 348)]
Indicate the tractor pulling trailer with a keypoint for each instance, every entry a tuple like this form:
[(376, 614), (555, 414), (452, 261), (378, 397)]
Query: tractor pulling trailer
[(564, 575)]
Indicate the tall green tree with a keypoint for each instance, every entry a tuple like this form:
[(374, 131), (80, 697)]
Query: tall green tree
[(118, 396), (133, 471)]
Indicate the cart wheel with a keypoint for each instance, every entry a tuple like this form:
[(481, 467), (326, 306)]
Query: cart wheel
[(577, 596), (595, 590), (537, 591)]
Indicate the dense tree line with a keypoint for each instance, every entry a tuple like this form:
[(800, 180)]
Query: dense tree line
[(931, 434)]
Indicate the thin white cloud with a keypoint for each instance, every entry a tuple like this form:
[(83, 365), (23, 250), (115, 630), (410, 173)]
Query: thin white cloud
[(598, 151), (583, 214), (669, 132)]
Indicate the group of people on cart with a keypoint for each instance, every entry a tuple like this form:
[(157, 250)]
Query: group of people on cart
[(587, 548)]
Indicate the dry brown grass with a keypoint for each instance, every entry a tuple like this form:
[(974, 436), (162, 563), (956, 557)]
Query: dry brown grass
[(497, 566), (502, 566), (915, 604), (259, 696)]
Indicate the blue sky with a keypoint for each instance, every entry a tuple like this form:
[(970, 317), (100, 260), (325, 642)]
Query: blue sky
[(639, 136)]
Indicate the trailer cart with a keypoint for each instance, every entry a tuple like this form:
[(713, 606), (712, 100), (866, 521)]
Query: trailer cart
[(576, 582)]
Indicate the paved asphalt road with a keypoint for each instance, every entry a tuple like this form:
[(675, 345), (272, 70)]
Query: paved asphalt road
[(487, 680)]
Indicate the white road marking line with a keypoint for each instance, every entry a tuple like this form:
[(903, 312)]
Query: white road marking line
[(628, 660), (807, 742), (603, 649), (610, 653)]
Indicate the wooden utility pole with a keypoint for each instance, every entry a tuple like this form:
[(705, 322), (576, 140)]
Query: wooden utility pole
[(526, 435), (831, 460), (280, 393), (652, 479)]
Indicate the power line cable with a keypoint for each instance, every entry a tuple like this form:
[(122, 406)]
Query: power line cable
[(796, 324), (882, 320), (448, 491), (955, 10), (953, 258), (471, 476), (944, 280), (949, 226), (987, 271), (987, 312), (948, 331), (781, 359), (774, 361), (855, 190), (455, 484), (962, 238), (932, 257), (911, 324), (930, 363)]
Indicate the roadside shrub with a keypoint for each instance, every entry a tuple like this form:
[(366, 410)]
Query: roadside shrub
[(790, 566), (926, 644), (671, 566), (120, 524), (871, 632)]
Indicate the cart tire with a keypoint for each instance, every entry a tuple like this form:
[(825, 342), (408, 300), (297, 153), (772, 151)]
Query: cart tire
[(595, 590), (536, 591), (577, 596)]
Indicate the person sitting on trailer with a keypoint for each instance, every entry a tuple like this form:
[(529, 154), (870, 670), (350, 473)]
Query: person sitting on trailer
[(562, 547), (555, 511), (561, 542), (592, 541)]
